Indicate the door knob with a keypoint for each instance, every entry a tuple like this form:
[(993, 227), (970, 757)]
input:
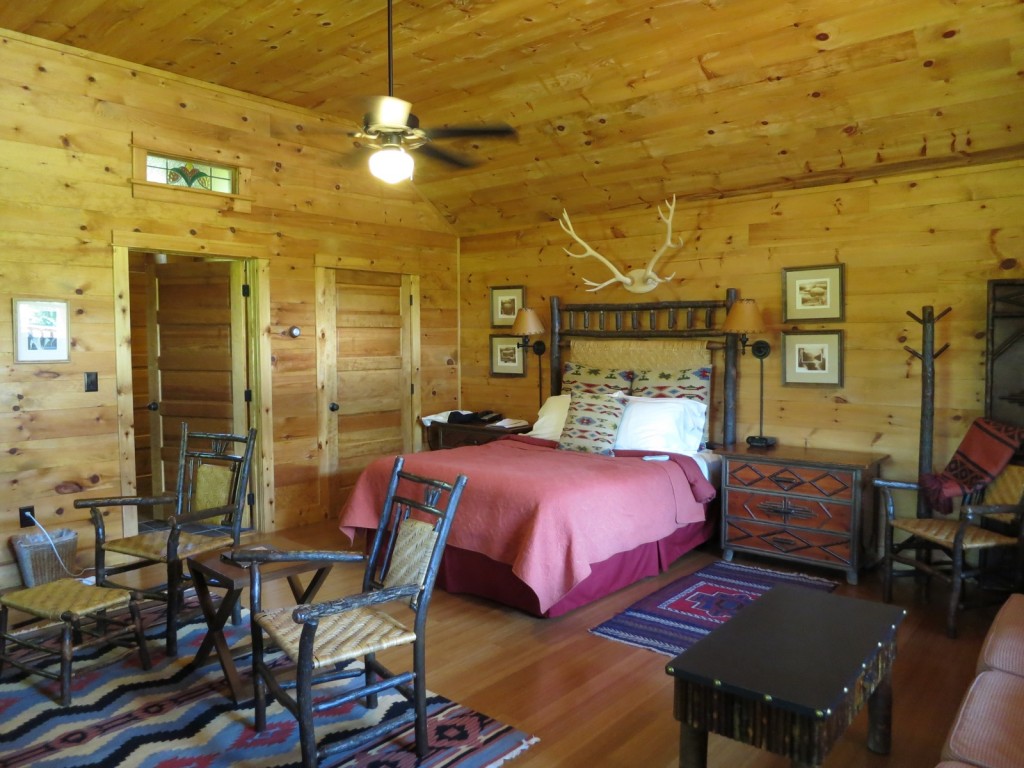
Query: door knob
[(154, 406), (334, 406)]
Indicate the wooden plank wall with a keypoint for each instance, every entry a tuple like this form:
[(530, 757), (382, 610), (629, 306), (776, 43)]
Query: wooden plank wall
[(910, 241), (66, 125)]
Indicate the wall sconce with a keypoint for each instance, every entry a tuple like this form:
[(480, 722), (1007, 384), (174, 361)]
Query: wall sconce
[(745, 318), (527, 324)]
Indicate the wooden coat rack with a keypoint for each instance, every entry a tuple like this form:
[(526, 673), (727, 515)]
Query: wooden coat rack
[(927, 356)]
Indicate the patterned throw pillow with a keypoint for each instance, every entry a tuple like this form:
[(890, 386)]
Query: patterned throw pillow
[(592, 423), (694, 383), (580, 377)]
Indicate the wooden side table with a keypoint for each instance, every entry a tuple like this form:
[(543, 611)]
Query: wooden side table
[(803, 504), (443, 435), (212, 570)]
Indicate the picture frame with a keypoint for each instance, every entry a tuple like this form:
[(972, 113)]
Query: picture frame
[(508, 357), (42, 331), (812, 358), (506, 301), (813, 293)]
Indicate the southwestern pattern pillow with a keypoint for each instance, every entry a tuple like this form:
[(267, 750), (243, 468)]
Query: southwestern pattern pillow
[(579, 377), (591, 424), (694, 383)]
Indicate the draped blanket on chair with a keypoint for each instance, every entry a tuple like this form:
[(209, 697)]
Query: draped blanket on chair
[(985, 450)]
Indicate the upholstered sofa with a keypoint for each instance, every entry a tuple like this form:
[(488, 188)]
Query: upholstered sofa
[(987, 731)]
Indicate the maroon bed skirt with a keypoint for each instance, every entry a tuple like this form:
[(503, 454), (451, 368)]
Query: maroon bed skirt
[(470, 573)]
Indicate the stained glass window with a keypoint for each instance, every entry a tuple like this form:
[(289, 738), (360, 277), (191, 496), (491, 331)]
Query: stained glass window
[(177, 172)]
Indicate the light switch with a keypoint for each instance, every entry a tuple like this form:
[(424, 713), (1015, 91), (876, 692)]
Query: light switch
[(92, 382)]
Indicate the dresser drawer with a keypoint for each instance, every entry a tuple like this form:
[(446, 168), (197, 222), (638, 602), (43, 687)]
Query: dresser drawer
[(776, 509), (812, 482), (820, 546)]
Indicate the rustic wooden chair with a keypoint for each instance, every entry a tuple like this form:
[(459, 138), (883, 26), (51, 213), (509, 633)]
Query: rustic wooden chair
[(324, 639), (958, 548), (86, 616), (211, 488)]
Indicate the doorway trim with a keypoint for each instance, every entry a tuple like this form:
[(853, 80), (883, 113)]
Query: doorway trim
[(256, 264)]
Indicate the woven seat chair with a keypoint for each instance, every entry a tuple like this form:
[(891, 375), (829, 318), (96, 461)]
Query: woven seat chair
[(87, 616), (957, 548), (212, 488), (324, 639)]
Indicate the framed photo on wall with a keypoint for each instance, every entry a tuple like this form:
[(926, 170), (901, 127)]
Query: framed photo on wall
[(507, 358), (42, 331), (812, 293), (812, 358), (505, 303)]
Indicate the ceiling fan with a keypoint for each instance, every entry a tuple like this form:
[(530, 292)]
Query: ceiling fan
[(392, 131)]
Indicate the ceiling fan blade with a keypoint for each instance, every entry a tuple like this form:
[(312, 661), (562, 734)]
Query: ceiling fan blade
[(461, 131), (452, 158)]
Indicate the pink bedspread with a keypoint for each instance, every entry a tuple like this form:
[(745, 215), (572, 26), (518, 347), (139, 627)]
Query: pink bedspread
[(547, 513)]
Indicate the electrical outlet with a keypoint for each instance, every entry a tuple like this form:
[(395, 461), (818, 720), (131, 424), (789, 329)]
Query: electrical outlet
[(26, 516)]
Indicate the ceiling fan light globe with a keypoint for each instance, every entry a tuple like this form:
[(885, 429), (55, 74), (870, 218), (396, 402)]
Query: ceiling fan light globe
[(391, 164)]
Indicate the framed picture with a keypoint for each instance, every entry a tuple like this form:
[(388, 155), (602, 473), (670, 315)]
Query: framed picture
[(507, 358), (505, 303), (812, 293), (41, 331), (812, 358)]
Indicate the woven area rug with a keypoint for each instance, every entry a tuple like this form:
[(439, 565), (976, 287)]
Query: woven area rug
[(675, 617), (173, 716)]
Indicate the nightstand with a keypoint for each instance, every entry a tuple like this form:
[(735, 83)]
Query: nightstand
[(441, 434), (805, 505)]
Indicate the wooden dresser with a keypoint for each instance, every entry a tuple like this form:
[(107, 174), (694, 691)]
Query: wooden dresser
[(806, 505), (443, 435)]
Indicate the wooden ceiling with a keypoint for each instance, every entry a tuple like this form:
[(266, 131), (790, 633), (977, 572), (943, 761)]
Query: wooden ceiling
[(618, 103)]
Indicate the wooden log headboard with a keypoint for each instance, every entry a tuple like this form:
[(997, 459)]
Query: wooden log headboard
[(651, 320)]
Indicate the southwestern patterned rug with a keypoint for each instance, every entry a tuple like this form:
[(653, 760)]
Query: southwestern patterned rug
[(675, 617), (173, 716)]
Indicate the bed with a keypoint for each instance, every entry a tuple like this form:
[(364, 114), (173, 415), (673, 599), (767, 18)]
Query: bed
[(586, 503)]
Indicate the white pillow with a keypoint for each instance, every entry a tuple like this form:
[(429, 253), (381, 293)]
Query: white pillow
[(551, 418), (675, 425)]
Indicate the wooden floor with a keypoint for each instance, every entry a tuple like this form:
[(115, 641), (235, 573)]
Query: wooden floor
[(595, 702)]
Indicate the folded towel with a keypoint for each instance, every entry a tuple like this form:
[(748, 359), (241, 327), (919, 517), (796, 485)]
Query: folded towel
[(985, 450)]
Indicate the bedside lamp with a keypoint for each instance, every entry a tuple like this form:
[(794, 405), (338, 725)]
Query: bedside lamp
[(527, 324), (745, 319)]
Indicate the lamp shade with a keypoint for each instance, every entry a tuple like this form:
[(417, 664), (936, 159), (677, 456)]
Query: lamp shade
[(391, 164), (744, 317), (527, 324)]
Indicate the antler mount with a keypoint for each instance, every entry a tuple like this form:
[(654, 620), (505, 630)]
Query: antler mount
[(641, 280)]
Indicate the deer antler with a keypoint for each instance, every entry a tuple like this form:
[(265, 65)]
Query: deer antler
[(649, 272), (637, 280), (617, 277)]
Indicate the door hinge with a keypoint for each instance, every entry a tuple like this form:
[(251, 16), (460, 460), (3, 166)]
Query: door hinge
[(248, 395), (251, 499), (245, 290), (412, 389), (410, 299)]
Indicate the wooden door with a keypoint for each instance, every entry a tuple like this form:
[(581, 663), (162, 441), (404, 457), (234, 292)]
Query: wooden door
[(196, 351), (370, 392)]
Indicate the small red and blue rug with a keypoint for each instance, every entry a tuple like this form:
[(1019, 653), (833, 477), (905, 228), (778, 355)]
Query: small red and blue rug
[(676, 616), (176, 716)]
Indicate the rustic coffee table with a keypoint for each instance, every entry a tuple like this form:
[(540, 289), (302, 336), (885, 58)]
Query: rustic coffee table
[(217, 570), (788, 674)]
